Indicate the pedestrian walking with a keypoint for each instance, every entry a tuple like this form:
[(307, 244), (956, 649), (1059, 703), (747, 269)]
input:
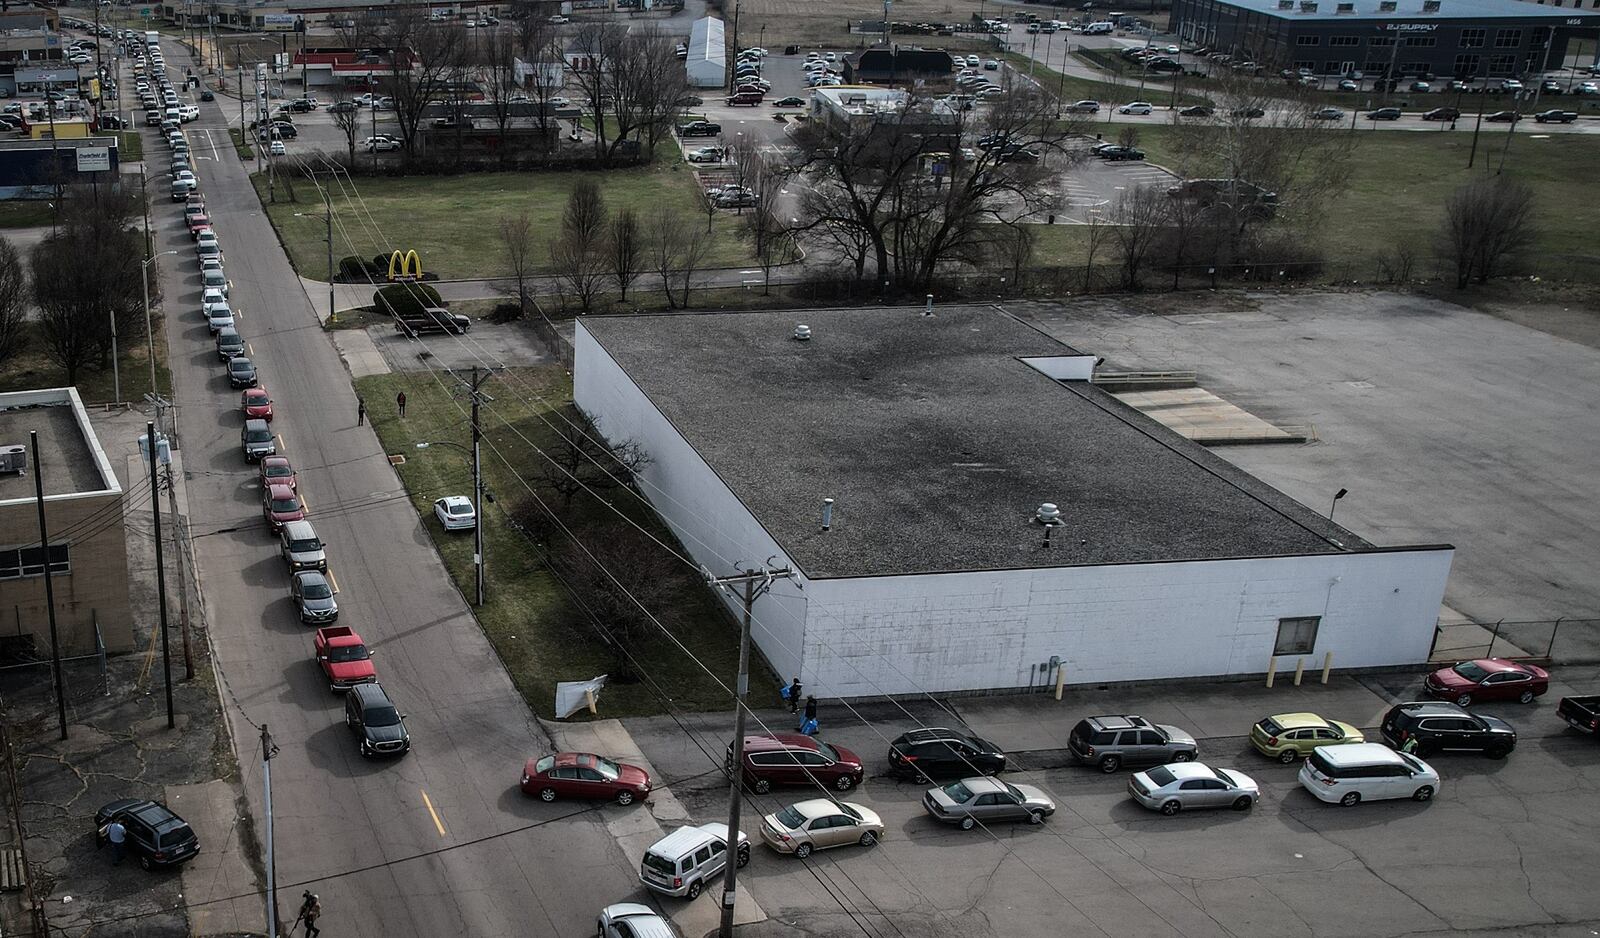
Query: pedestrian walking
[(811, 707), (310, 911), (793, 696), (117, 837), (361, 411), (400, 401)]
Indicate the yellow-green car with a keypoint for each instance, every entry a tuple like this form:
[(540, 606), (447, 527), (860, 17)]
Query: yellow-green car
[(1287, 736)]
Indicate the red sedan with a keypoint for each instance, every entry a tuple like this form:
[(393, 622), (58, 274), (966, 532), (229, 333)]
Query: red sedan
[(276, 470), (584, 775), (1488, 679), (256, 403), (281, 505)]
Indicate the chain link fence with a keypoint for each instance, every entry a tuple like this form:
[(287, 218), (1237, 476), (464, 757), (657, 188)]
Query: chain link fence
[(1563, 641)]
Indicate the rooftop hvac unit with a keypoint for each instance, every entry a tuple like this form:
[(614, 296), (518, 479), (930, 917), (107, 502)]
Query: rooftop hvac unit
[(1430, 6), (1387, 6), (1345, 8), (1308, 6), (14, 458), (1285, 4)]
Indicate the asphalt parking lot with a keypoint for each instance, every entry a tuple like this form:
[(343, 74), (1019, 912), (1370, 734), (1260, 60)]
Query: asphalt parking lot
[(1501, 849), (1093, 186), (1446, 425)]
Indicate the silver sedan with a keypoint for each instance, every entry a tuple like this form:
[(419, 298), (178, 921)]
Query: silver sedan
[(1185, 785), (983, 799)]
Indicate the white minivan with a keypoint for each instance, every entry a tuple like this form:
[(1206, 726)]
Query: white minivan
[(1359, 772)]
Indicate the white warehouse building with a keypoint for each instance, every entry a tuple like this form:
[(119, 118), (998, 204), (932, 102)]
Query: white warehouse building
[(707, 63), (938, 438)]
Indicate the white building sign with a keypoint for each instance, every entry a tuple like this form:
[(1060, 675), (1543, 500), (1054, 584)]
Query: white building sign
[(94, 159)]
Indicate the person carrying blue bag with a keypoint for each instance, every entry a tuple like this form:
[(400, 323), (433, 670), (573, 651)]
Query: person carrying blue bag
[(808, 723), (792, 694)]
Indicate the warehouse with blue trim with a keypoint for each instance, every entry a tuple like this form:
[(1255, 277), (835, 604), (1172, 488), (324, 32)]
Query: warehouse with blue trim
[(1467, 39)]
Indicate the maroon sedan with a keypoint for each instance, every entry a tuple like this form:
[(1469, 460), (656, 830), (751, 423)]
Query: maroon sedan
[(276, 470), (281, 505), (1488, 679), (256, 402), (584, 775)]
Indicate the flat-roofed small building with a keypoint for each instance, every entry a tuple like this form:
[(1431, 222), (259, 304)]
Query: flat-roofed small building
[(88, 554)]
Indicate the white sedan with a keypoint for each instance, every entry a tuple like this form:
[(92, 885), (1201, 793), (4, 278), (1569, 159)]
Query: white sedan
[(455, 513), (277, 149)]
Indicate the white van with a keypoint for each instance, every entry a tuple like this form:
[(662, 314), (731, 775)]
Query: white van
[(1350, 774), (1095, 29), (685, 861)]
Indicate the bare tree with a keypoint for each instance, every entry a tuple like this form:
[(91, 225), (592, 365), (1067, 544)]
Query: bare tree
[(1098, 233), (902, 179), (578, 253), (543, 49), (632, 83), (770, 237), (516, 236), (13, 302), (85, 275), (348, 120), (665, 234), (696, 248), (1139, 215), (423, 57), (496, 64), (625, 250), (577, 461), (1486, 222)]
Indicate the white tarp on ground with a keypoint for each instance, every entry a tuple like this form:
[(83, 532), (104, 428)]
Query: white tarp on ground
[(572, 696)]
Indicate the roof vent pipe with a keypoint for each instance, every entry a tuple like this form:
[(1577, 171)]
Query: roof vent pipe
[(928, 309), (827, 514), (1048, 513), (802, 333)]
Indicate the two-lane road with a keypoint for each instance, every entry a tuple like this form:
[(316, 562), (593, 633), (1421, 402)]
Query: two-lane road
[(336, 812)]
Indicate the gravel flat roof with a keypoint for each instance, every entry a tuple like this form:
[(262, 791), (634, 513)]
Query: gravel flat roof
[(937, 444)]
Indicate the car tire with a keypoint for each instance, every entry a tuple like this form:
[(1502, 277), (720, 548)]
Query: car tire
[(144, 863), (1425, 793), (1110, 764), (625, 797), (1497, 752), (762, 786), (802, 851), (1182, 756), (1351, 799), (1526, 697), (844, 783), (547, 794), (1464, 700), (693, 892), (744, 856), (1287, 756), (1035, 817), (1170, 808), (968, 823), (1243, 803), (868, 838)]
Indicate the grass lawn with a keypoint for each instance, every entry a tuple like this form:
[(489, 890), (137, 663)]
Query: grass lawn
[(452, 220), (130, 147), (533, 623), (26, 214), (1398, 185), (32, 368), (241, 145)]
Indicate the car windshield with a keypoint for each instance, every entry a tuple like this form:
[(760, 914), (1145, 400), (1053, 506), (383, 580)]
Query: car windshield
[(316, 590), (459, 508), (658, 863), (1272, 727), (241, 366), (607, 768), (1015, 791), (279, 472), (546, 764), (958, 792), (1161, 776), (848, 810), (285, 505), (382, 716), (827, 750), (790, 818), (348, 653), (258, 436), (1470, 670), (305, 545)]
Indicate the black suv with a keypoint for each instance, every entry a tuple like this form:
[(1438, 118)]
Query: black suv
[(936, 752), (1446, 727), (155, 835), (377, 722)]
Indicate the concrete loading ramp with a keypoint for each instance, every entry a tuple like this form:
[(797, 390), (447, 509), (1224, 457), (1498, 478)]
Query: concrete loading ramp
[(1206, 418)]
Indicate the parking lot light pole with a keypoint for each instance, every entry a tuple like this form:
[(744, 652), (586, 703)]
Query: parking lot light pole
[(149, 333)]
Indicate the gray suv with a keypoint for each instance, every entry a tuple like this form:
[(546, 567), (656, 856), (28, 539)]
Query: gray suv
[(1112, 741), (257, 440)]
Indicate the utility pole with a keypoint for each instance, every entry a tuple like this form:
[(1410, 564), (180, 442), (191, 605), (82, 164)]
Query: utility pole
[(477, 479), (161, 570), (268, 750), (1477, 127), (49, 590), (756, 583), (180, 539), (327, 210)]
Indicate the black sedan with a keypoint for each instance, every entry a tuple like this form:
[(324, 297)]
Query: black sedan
[(1118, 153), (1441, 114), (1503, 117), (1384, 114), (791, 101), (241, 372), (1196, 110), (156, 836), (936, 752)]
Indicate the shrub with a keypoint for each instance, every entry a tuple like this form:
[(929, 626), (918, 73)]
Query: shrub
[(406, 299)]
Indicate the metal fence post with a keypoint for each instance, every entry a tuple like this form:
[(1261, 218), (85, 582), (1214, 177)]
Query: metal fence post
[(1550, 650), (1495, 637)]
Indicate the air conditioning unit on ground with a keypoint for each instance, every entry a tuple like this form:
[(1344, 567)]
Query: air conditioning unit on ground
[(14, 458)]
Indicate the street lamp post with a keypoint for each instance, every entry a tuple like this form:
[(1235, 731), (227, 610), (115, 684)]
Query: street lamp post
[(149, 333)]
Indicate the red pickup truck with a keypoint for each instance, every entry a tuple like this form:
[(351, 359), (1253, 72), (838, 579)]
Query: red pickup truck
[(343, 658)]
